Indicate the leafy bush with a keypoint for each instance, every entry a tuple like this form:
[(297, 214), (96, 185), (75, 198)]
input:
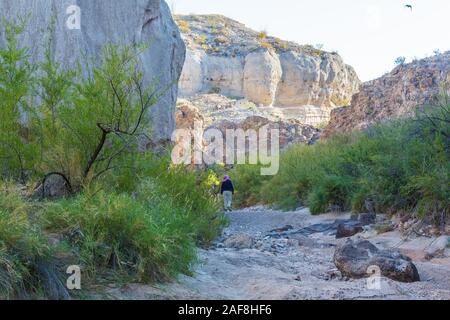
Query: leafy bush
[(189, 190), (403, 165), (16, 83), (26, 269), (130, 214), (149, 241)]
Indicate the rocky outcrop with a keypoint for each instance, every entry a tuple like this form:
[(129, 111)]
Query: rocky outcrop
[(218, 112), (103, 22), (358, 259), (224, 56), (395, 95)]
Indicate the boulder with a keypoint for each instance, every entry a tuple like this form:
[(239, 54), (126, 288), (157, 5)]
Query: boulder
[(53, 187), (367, 218), (346, 230), (381, 228), (355, 259), (437, 248)]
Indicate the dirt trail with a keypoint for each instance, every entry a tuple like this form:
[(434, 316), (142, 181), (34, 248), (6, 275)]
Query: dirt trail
[(245, 263)]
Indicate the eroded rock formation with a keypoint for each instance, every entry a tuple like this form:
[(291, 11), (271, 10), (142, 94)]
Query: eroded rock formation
[(225, 57), (395, 95)]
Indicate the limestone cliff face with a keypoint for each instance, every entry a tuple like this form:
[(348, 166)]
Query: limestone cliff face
[(225, 57), (213, 111), (110, 21), (395, 95)]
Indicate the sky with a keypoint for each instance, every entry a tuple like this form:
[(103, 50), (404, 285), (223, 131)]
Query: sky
[(368, 34)]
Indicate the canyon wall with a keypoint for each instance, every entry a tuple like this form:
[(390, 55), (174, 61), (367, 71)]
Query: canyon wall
[(224, 56), (103, 22), (395, 95)]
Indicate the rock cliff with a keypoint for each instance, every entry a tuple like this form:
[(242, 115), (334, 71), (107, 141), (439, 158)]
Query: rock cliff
[(223, 56), (395, 95), (203, 112), (108, 21)]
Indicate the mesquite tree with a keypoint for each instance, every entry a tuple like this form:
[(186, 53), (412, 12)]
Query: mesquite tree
[(79, 124), (90, 123)]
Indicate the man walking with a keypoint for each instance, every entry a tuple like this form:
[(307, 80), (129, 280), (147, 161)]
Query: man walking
[(227, 190)]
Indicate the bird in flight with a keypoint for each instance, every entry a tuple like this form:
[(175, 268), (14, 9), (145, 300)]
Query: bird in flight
[(409, 6)]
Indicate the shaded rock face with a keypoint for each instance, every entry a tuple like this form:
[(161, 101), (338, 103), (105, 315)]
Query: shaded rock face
[(54, 187), (395, 95), (224, 56), (218, 112), (355, 259), (110, 21)]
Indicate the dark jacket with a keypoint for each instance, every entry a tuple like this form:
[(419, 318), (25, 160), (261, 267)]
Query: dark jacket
[(227, 186)]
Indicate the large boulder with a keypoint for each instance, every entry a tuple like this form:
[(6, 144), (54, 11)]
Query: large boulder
[(103, 22), (348, 230), (355, 258), (54, 186)]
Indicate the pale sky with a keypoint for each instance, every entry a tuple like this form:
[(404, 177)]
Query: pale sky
[(368, 34)]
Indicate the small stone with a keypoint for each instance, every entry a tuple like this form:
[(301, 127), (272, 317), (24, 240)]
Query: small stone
[(240, 241), (367, 218)]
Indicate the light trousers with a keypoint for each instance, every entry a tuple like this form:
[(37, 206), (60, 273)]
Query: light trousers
[(227, 199)]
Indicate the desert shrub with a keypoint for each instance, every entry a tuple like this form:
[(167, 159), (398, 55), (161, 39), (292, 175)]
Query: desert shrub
[(332, 191), (402, 165), (262, 35), (16, 84), (191, 192), (188, 189), (248, 183), (68, 122), (26, 267), (266, 45), (184, 26), (148, 240)]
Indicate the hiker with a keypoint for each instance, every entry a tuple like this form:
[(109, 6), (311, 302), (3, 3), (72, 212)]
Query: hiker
[(227, 190)]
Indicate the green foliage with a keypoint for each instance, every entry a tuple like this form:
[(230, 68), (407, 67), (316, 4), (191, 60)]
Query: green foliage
[(16, 82), (131, 214), (26, 270), (248, 183), (399, 166), (89, 125), (149, 240), (189, 189)]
